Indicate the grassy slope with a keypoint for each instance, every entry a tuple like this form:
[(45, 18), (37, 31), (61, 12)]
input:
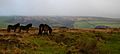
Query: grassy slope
[(3, 20), (66, 42), (113, 44)]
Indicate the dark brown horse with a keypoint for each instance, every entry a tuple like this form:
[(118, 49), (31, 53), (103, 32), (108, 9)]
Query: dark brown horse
[(25, 27), (13, 27), (44, 29)]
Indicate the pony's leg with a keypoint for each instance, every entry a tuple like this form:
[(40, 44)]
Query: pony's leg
[(20, 30), (8, 29), (40, 32), (50, 32), (27, 30), (47, 32), (14, 29)]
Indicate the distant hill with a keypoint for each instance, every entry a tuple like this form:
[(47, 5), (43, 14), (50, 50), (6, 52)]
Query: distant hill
[(3, 21), (67, 21)]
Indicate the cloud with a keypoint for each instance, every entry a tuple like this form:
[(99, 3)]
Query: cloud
[(107, 8)]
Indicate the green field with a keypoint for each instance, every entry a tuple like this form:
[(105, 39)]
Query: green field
[(3, 21), (92, 24)]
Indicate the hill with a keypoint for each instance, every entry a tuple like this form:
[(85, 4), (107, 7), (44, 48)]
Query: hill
[(66, 21), (3, 21)]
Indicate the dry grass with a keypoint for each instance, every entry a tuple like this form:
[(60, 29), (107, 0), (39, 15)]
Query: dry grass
[(68, 41)]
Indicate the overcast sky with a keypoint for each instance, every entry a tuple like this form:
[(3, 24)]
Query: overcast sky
[(101, 8)]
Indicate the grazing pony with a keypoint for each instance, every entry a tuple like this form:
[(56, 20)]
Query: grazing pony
[(44, 29), (13, 27), (25, 27)]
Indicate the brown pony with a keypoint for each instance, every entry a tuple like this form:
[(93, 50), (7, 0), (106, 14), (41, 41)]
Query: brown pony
[(44, 29), (25, 27), (13, 27)]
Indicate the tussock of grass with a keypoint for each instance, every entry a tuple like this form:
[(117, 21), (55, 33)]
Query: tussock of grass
[(84, 42)]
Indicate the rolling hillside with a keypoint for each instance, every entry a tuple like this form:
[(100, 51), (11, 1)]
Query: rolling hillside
[(67, 21), (67, 41)]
